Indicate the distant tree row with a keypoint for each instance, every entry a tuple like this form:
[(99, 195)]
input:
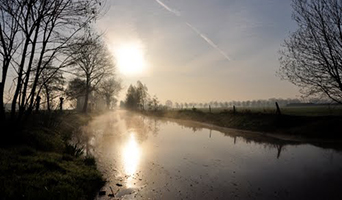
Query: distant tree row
[(138, 98), (250, 103)]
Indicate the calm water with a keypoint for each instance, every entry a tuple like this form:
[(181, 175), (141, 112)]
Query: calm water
[(160, 159)]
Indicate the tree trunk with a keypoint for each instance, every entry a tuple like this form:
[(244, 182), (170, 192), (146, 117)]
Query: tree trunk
[(61, 99), (46, 36), (2, 106), (2, 88), (27, 78), (278, 112), (37, 103), (85, 105), (7, 57), (47, 97), (108, 102), (19, 82), (22, 63)]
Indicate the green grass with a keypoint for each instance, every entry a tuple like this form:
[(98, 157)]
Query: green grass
[(38, 164), (30, 174)]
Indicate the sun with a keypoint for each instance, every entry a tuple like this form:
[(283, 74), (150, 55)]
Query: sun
[(130, 59)]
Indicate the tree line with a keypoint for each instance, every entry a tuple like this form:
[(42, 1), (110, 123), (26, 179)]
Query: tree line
[(249, 103), (138, 98)]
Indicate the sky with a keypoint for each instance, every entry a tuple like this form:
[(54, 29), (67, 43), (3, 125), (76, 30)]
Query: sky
[(200, 50)]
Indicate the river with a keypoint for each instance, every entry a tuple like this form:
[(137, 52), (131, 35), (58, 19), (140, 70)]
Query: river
[(148, 158)]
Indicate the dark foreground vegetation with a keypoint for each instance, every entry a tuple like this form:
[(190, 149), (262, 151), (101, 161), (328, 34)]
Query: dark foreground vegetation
[(38, 161), (311, 127)]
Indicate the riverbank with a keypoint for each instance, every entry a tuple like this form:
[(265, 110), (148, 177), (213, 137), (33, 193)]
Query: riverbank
[(39, 162), (311, 127)]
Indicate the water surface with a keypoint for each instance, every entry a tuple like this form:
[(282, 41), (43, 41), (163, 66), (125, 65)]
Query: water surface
[(161, 159)]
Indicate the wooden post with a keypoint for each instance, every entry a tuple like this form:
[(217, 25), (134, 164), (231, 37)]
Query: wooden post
[(278, 109), (38, 103), (61, 103), (279, 148), (234, 110)]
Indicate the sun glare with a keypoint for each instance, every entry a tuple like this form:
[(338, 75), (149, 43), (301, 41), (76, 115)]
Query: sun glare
[(130, 58), (131, 156)]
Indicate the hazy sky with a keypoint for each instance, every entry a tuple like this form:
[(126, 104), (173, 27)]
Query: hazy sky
[(201, 50)]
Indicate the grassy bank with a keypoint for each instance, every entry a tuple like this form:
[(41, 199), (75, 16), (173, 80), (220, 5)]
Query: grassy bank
[(321, 127), (38, 162)]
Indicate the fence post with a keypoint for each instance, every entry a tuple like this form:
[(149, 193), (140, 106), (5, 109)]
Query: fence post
[(61, 103), (38, 103), (278, 112)]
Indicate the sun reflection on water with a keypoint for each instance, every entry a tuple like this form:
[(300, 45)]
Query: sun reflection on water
[(131, 155)]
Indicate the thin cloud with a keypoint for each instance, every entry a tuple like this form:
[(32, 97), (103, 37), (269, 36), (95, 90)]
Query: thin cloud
[(204, 37)]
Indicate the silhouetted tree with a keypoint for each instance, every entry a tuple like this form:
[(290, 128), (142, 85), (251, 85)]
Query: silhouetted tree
[(168, 103), (154, 103), (92, 61), (32, 34), (109, 89), (142, 94), (50, 85), (76, 88), (9, 29), (311, 58), (137, 96), (132, 100)]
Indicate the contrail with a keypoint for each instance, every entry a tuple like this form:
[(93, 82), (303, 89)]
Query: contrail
[(204, 37), (209, 41), (175, 12)]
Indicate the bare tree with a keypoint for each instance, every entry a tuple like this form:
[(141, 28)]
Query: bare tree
[(50, 84), (109, 89), (311, 57), (32, 34), (75, 89), (92, 61), (9, 29)]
